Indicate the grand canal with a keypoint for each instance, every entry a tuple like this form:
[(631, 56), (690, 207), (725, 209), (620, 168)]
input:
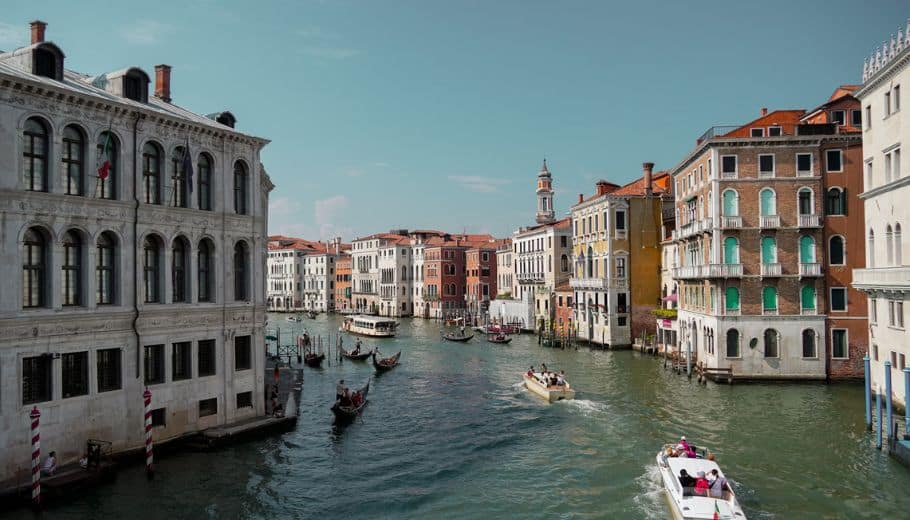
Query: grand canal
[(451, 434)]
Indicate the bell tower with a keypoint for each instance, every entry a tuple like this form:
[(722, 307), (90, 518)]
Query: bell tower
[(545, 212)]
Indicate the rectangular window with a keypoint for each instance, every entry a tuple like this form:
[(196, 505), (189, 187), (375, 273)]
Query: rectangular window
[(774, 131), (868, 116), (620, 221), (804, 164), (208, 407), (245, 400), (206, 357), (36, 379), (838, 299), (620, 267), (856, 118), (110, 375), (181, 360), (901, 361), (159, 417), (887, 104), (839, 348), (896, 98), (728, 165), (766, 165), (154, 364), (242, 353), (838, 116), (74, 374), (873, 310), (757, 132), (875, 352), (621, 303), (834, 160)]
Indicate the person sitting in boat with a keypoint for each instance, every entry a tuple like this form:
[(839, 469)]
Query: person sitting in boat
[(553, 379), (339, 390), (561, 378), (357, 399), (717, 485), (701, 484), (346, 397), (687, 482), (683, 449)]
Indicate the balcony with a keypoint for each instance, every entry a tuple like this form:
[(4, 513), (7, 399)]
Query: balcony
[(771, 270), (729, 175), (620, 284), (810, 221), (809, 312), (716, 131), (732, 312), (810, 269), (588, 283), (769, 312), (687, 272), (530, 277), (897, 278), (731, 222), (769, 221), (722, 270)]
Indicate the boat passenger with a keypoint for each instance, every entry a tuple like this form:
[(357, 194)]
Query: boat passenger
[(718, 485), (50, 465), (553, 379), (701, 484), (339, 390), (687, 482), (685, 449), (346, 397), (531, 372), (561, 379), (357, 399)]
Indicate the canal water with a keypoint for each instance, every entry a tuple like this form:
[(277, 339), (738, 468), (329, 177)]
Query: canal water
[(451, 433)]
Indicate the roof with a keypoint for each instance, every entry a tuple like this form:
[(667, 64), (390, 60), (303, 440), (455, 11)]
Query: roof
[(565, 223), (660, 184), (841, 99), (783, 118), (563, 287)]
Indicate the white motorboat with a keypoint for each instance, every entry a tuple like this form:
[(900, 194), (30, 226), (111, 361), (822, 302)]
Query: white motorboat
[(551, 393), (373, 326), (293, 318), (684, 503)]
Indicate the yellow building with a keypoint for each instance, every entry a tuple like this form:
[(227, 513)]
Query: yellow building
[(616, 251)]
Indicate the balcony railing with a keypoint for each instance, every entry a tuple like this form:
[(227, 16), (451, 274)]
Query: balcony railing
[(810, 269), (770, 312), (729, 175), (771, 270), (716, 131), (882, 277), (722, 270), (731, 312), (731, 222), (687, 271), (588, 283), (810, 221), (809, 312), (769, 221)]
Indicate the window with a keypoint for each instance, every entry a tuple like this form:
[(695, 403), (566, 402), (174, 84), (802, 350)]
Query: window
[(886, 105), (772, 343), (856, 118), (806, 249), (104, 269), (151, 173), (809, 350), (72, 157), (181, 360), (242, 353), (756, 132), (34, 155), (836, 201), (836, 250), (807, 298), (71, 275), (768, 250), (135, 88), (204, 179), (179, 275), (766, 165), (245, 400), (240, 188), (803, 164), (896, 98), (838, 298), (154, 364), (109, 369), (151, 269), (108, 153), (896, 314), (205, 271), (838, 117), (804, 202), (36, 379), (240, 272), (769, 299), (621, 303), (834, 160), (728, 165), (768, 202), (733, 343), (839, 346), (889, 245), (873, 310), (46, 63), (34, 268), (898, 246), (896, 163), (774, 131), (620, 268), (731, 250), (620, 221), (868, 116), (74, 374), (158, 416), (178, 178), (731, 203), (208, 407), (875, 352)]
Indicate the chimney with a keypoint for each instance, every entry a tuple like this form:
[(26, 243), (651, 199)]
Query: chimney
[(764, 111), (601, 187), (648, 167), (37, 31), (581, 198), (163, 82)]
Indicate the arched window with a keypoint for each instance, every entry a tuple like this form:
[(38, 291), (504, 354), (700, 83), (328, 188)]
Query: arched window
[(105, 256), (733, 343), (836, 250), (731, 250), (34, 155), (769, 299), (564, 263), (806, 206), (772, 343), (836, 201), (807, 298), (179, 270), (151, 173), (589, 272), (806, 249), (34, 268), (178, 178), (809, 349), (768, 250), (731, 203), (151, 268), (889, 245), (71, 275), (72, 158), (240, 272), (768, 202), (240, 188), (204, 176), (108, 167), (898, 254), (732, 299), (871, 248)]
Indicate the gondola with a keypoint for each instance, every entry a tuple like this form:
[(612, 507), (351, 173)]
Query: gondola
[(385, 364), (498, 338), (311, 315), (349, 412), (452, 337), (356, 357), (313, 360)]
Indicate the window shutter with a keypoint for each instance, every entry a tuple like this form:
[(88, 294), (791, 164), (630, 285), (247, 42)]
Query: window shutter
[(843, 200)]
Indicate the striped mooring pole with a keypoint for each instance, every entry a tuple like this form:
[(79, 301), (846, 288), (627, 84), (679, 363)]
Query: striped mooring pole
[(35, 415), (149, 456)]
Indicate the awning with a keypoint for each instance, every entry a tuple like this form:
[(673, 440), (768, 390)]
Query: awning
[(672, 298)]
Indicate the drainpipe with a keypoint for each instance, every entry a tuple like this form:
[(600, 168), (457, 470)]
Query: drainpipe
[(136, 238)]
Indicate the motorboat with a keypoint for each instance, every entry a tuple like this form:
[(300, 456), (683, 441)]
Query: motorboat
[(551, 393), (685, 504), (373, 326)]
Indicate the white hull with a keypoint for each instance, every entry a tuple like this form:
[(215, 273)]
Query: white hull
[(552, 393), (370, 326), (371, 333), (694, 507)]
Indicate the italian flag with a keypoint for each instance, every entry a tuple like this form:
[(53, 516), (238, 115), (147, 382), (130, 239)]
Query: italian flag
[(104, 157), (716, 511)]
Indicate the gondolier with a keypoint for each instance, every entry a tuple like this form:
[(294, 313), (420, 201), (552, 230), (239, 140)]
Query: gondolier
[(339, 390)]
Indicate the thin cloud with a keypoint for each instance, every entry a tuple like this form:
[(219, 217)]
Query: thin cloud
[(283, 206), (331, 53), (12, 35), (146, 32), (354, 173), (477, 183)]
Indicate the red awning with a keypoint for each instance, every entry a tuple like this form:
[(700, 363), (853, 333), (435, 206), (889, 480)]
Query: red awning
[(672, 298)]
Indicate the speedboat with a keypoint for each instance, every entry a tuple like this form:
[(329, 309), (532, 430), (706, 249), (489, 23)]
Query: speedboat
[(684, 504), (551, 393)]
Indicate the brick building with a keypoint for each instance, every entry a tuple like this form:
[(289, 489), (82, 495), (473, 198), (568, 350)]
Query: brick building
[(480, 277), (343, 282)]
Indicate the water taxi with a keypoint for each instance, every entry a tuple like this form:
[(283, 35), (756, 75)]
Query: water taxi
[(374, 326), (551, 393), (684, 503)]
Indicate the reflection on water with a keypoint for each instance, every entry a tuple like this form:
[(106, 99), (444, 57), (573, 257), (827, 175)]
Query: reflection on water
[(451, 433)]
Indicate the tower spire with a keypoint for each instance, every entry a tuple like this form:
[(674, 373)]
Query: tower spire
[(545, 212)]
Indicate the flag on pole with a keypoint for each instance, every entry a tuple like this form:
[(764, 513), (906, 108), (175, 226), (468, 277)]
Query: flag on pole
[(104, 156), (188, 165), (716, 511)]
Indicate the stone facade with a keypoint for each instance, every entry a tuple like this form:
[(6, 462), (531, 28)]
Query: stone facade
[(343, 283)]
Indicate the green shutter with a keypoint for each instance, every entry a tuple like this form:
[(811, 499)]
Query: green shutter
[(808, 297), (768, 250), (732, 298), (807, 250), (730, 250), (730, 209), (767, 203), (769, 298)]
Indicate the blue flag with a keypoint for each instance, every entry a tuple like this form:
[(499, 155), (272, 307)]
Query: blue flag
[(188, 165)]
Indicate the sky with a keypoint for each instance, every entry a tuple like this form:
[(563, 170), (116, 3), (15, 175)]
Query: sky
[(437, 114)]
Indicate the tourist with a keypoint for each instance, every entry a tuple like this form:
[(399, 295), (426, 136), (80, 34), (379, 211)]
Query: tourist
[(561, 378), (357, 399), (701, 484), (686, 481), (339, 389), (684, 449), (50, 464), (83, 461), (718, 485), (543, 368), (531, 372), (346, 397)]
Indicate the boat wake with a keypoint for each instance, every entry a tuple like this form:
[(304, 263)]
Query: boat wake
[(585, 406), (650, 500)]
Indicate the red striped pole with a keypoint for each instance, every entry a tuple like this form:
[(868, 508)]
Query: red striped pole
[(149, 457), (36, 456)]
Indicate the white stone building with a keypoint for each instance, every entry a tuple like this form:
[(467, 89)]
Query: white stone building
[(505, 274), (395, 263), (886, 190), (541, 262), (421, 308), (150, 277), (284, 283), (319, 276)]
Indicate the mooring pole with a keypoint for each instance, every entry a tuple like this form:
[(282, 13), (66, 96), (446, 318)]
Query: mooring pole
[(867, 385), (888, 402), (907, 403), (35, 416), (878, 407)]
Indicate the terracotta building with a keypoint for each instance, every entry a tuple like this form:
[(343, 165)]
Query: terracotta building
[(343, 283), (480, 277), (565, 311), (444, 276)]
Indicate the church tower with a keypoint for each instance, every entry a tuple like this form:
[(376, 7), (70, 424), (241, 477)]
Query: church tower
[(545, 212)]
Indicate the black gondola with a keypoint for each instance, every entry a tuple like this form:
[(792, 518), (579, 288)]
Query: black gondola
[(385, 364), (498, 338), (356, 357), (459, 338), (313, 360), (311, 315), (351, 411)]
